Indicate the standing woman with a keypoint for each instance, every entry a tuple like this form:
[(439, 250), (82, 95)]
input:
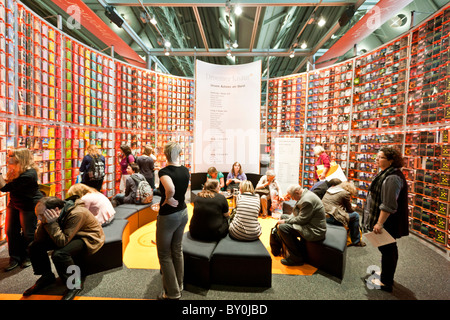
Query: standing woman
[(126, 157), (322, 159), (93, 155), (147, 165), (387, 207), (22, 184), (171, 221)]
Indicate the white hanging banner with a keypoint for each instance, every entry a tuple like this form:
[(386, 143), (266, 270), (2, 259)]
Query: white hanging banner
[(227, 116), (287, 162)]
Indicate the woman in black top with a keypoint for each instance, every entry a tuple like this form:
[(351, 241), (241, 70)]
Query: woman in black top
[(210, 219), (22, 184), (171, 222), (147, 166)]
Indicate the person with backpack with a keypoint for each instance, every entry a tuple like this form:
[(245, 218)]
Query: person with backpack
[(134, 185), (93, 168), (125, 158)]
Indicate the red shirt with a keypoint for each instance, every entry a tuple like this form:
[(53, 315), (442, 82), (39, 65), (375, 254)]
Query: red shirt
[(323, 159)]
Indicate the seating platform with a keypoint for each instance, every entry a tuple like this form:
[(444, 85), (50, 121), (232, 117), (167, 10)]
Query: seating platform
[(128, 218), (229, 261)]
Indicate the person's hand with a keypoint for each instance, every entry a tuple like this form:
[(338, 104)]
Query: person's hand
[(171, 202), (322, 176), (281, 221), (51, 215), (377, 228)]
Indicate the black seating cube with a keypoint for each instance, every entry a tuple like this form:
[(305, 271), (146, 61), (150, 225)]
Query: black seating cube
[(111, 253), (197, 255), (330, 254), (241, 263)]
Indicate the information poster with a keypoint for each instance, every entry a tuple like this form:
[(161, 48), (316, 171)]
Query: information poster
[(287, 162), (227, 120)]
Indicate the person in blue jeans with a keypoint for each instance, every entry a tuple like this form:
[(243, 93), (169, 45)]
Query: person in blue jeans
[(338, 207), (171, 221)]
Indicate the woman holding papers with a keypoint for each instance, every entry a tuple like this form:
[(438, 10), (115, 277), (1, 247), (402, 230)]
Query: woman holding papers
[(387, 207)]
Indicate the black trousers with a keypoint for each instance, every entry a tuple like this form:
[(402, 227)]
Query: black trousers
[(61, 257), (96, 184), (20, 227), (389, 258), (289, 236)]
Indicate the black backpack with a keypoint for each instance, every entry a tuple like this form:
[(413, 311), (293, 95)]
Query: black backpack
[(96, 169)]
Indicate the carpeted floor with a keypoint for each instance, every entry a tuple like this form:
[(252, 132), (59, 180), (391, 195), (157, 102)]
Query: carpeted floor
[(141, 250), (423, 273)]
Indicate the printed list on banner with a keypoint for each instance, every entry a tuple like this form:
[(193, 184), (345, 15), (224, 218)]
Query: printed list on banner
[(227, 122)]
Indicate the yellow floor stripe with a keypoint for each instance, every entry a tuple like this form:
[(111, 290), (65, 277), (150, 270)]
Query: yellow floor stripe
[(6, 296), (141, 250)]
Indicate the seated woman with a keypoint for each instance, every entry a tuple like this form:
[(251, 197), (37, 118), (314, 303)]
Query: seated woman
[(269, 189), (338, 207), (209, 221), (131, 183), (214, 174), (96, 202), (235, 176), (245, 225)]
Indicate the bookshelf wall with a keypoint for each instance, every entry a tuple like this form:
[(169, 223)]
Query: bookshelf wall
[(57, 96)]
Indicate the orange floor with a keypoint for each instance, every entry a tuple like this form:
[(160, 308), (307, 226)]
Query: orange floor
[(141, 250)]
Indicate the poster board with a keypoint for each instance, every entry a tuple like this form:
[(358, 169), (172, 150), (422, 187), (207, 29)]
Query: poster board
[(227, 117), (287, 162)]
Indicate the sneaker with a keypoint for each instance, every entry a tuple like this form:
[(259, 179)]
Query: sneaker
[(289, 262), (25, 263), (12, 265)]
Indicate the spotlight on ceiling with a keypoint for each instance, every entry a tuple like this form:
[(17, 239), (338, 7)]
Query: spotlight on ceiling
[(153, 21), (292, 55), (111, 13), (167, 43), (321, 22), (237, 10), (235, 44), (304, 45), (399, 20)]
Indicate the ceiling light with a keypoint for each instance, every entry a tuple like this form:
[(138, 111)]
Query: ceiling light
[(237, 10), (153, 21), (167, 43), (321, 22), (304, 45), (167, 53), (229, 53), (292, 55), (235, 44)]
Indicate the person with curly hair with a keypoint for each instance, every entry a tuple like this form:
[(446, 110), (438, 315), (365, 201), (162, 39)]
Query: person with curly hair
[(387, 208)]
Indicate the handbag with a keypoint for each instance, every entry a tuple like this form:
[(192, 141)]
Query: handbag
[(276, 245)]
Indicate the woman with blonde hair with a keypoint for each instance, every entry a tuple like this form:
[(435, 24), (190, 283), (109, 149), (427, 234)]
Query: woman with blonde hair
[(245, 225), (22, 184), (93, 168), (338, 207), (95, 201), (209, 221)]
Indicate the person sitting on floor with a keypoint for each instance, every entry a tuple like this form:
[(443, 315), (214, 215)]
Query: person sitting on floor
[(339, 210), (209, 221), (96, 202), (245, 225), (70, 230), (306, 222)]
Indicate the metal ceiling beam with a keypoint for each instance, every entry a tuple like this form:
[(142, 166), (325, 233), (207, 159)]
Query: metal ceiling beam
[(255, 28), (242, 3), (234, 52), (200, 26)]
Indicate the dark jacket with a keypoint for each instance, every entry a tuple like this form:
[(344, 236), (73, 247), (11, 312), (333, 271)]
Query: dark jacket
[(24, 191)]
